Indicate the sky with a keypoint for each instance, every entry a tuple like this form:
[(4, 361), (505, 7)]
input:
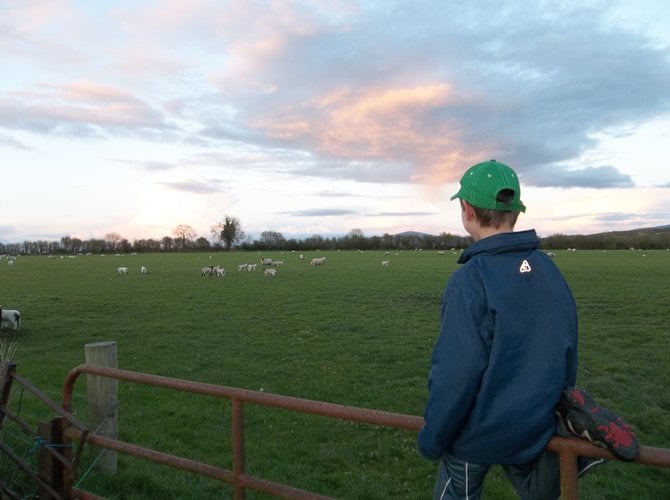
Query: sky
[(320, 117)]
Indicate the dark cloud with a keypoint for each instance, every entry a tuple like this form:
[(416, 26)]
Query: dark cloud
[(535, 94)]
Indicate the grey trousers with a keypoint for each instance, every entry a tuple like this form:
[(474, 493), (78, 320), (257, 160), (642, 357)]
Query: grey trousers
[(538, 480)]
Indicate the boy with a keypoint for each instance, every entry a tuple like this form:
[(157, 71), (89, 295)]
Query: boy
[(506, 350)]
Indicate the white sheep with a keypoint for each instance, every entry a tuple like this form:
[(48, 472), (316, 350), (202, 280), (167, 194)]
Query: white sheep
[(221, 272), (270, 272), (266, 261), (251, 267), (385, 263), (143, 270), (10, 316), (122, 270), (243, 267), (317, 261)]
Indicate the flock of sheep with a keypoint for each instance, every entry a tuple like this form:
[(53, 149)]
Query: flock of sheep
[(9, 316), (13, 317), (269, 267)]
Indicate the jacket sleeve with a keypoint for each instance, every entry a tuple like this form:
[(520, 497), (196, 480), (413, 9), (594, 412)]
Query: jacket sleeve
[(459, 360)]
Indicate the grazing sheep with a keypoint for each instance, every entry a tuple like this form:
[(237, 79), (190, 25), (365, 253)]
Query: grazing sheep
[(10, 316), (207, 271), (122, 270), (385, 263), (317, 261), (270, 272), (266, 262), (302, 256)]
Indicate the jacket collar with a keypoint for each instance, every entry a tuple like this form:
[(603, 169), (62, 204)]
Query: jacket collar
[(501, 243)]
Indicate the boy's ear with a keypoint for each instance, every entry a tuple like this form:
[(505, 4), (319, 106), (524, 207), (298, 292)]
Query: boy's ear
[(469, 211)]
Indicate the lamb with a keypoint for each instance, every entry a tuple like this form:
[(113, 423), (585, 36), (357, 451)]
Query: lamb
[(122, 270), (251, 267), (385, 263), (143, 270), (243, 267), (10, 316), (270, 272)]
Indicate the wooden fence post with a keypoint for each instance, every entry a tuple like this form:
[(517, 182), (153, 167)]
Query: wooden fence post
[(103, 401)]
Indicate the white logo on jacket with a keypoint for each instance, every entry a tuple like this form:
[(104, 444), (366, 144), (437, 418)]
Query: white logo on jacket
[(525, 267)]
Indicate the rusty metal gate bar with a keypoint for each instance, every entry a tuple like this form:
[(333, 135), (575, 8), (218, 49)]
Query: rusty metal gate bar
[(568, 449), (238, 478)]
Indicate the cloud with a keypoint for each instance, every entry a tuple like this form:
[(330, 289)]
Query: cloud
[(319, 212), (372, 92), (632, 220), (604, 177), (385, 94), (440, 97), (209, 186), (10, 142), (400, 214), (79, 108), (7, 231), (155, 166)]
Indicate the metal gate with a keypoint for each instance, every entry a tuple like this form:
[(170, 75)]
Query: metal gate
[(58, 469)]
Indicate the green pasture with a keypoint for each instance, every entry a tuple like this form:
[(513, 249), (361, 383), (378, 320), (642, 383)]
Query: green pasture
[(352, 332)]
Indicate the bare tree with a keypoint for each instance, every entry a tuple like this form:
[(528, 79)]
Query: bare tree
[(112, 240), (184, 232), (273, 240)]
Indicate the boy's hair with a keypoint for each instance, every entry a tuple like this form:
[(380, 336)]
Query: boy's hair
[(497, 218)]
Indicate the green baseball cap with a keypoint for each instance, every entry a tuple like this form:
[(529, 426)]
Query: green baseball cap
[(482, 182)]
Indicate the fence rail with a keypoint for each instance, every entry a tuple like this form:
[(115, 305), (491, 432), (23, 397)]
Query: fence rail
[(568, 449)]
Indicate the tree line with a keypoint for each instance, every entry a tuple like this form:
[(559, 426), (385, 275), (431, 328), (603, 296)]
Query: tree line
[(228, 235)]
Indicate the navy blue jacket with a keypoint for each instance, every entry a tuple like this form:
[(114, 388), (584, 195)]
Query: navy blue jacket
[(506, 349)]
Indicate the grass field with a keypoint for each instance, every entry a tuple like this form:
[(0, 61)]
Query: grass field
[(351, 332)]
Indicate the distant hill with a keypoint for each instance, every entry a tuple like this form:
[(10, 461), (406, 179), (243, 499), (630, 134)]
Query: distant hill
[(628, 232), (648, 230), (413, 234), (657, 237)]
